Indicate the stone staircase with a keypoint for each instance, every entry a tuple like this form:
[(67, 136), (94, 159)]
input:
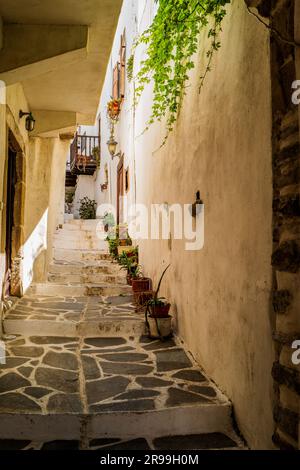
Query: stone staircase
[(76, 269), (80, 372)]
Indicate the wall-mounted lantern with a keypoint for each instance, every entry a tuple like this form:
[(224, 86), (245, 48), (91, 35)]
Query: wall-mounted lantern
[(29, 121), (112, 145), (195, 208)]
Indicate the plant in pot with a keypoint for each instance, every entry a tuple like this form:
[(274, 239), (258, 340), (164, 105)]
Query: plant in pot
[(113, 109), (124, 238), (129, 264), (141, 283), (87, 209), (108, 221), (113, 244), (157, 315)]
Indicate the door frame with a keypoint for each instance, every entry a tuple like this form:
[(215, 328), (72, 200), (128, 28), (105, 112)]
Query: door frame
[(17, 234), (120, 188)]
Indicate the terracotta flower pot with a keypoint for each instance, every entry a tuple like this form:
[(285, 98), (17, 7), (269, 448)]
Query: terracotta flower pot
[(141, 298), (160, 311), (122, 242), (141, 285)]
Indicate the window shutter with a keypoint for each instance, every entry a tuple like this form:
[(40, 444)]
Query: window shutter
[(123, 65), (116, 82)]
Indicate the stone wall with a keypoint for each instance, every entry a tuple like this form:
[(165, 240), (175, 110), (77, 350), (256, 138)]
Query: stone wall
[(286, 218)]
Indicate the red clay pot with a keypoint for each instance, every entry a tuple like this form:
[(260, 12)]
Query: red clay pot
[(142, 284), (160, 311), (141, 298)]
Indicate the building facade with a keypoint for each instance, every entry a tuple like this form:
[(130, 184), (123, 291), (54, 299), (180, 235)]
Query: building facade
[(224, 296)]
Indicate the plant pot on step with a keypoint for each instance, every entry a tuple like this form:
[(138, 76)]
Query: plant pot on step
[(160, 327), (141, 298), (142, 284), (160, 311)]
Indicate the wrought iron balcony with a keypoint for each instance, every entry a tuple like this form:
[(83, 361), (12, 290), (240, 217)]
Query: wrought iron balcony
[(84, 155)]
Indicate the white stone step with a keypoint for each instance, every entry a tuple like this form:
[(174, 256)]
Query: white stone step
[(86, 278), (71, 255), (103, 267), (104, 327), (182, 420), (87, 244), (79, 224), (53, 289)]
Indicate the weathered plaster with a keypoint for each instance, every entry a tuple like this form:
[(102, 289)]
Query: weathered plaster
[(221, 146)]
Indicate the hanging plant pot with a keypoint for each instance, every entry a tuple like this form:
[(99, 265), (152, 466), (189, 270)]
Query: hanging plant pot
[(113, 109), (160, 327), (142, 284)]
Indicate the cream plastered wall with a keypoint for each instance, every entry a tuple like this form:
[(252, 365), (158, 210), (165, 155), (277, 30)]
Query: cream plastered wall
[(44, 193), (131, 19), (221, 146), (84, 188), (221, 294)]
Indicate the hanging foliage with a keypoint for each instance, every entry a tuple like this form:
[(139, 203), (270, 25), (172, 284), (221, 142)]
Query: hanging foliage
[(171, 41)]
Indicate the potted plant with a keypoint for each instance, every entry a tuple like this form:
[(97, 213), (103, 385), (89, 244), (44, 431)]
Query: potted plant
[(129, 264), (141, 284), (108, 221), (87, 209), (157, 315), (114, 108), (96, 155)]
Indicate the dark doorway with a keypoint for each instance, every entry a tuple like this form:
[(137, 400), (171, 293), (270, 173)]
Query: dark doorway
[(10, 202)]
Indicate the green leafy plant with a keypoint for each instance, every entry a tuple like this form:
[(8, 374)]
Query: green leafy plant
[(87, 209), (171, 42), (156, 300)]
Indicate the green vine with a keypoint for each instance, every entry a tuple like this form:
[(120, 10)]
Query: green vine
[(171, 41)]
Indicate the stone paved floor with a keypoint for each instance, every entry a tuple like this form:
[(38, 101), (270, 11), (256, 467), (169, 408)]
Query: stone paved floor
[(212, 441), (75, 309), (93, 375)]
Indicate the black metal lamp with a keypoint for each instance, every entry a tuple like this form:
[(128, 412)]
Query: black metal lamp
[(29, 121)]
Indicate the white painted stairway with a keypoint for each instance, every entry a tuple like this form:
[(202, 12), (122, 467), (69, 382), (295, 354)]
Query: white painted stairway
[(81, 264)]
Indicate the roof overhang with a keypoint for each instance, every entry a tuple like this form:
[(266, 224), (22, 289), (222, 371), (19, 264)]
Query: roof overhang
[(59, 51)]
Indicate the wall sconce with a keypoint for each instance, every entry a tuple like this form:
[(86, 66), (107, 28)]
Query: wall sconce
[(195, 208), (29, 121), (112, 145)]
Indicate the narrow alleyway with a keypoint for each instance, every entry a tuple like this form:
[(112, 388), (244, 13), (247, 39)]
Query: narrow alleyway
[(81, 374)]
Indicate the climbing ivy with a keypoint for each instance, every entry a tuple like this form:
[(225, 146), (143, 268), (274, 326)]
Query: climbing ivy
[(171, 42)]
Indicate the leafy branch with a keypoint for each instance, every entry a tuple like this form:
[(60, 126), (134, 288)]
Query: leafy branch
[(171, 42)]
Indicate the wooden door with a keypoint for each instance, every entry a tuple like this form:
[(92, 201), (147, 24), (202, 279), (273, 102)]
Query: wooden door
[(10, 199), (120, 192)]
